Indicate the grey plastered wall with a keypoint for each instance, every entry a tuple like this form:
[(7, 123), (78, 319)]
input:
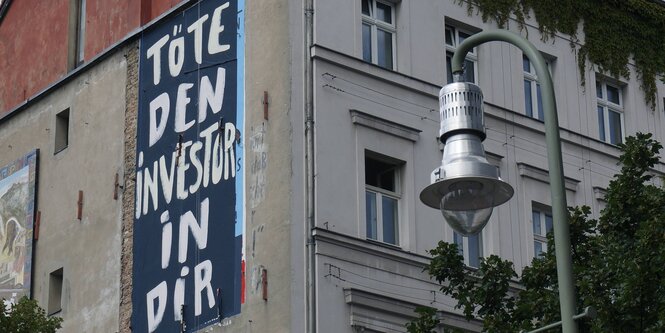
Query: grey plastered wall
[(267, 163), (407, 96), (87, 249)]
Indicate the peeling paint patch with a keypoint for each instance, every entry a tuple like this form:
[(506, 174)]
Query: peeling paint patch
[(256, 278), (258, 155)]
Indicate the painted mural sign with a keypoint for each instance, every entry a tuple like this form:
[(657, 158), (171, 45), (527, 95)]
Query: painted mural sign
[(17, 206), (188, 227)]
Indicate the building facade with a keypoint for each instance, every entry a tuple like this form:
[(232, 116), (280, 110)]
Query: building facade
[(326, 114)]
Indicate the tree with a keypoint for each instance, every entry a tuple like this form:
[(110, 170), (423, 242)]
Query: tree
[(618, 262), (27, 317)]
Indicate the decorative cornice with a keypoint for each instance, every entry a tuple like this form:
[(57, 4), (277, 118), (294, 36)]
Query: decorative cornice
[(536, 173), (599, 193), (384, 125)]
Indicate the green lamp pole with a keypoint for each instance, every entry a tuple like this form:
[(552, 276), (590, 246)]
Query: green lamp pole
[(559, 207)]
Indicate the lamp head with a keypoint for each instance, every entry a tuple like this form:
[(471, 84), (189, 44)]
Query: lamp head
[(465, 187)]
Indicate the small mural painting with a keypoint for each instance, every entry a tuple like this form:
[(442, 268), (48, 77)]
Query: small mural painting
[(17, 204)]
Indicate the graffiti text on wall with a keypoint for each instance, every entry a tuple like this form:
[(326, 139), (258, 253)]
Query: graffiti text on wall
[(187, 230)]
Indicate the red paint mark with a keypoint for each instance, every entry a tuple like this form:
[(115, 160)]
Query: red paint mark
[(265, 105), (264, 283), (79, 214), (242, 282), (38, 219)]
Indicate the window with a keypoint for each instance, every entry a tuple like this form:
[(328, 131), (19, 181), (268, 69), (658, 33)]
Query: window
[(453, 38), (55, 292), (471, 248), (382, 194), (378, 33), (77, 12), (61, 131), (542, 224), (533, 102), (610, 112)]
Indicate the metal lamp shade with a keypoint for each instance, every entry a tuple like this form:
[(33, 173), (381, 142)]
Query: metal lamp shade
[(465, 187)]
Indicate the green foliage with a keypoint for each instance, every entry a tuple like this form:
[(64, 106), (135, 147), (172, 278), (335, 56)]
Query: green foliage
[(27, 317), (426, 322), (618, 262), (613, 31)]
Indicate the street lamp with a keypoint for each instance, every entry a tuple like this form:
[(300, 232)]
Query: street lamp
[(466, 187)]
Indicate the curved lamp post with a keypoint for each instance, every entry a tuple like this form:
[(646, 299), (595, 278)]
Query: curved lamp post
[(466, 187)]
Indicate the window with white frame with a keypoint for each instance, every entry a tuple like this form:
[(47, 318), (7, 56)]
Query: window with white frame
[(541, 220), (471, 248), (378, 33), (610, 112), (454, 37), (382, 195), (533, 101)]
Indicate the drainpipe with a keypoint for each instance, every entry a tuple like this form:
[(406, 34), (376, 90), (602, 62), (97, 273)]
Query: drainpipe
[(309, 167)]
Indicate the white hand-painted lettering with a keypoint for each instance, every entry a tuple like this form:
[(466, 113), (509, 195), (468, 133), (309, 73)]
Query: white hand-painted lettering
[(216, 29), (179, 293), (181, 102), (202, 279), (208, 96), (197, 28), (163, 103), (183, 165), (150, 189), (199, 231), (158, 294), (167, 176), (176, 53), (167, 238), (193, 156), (155, 52)]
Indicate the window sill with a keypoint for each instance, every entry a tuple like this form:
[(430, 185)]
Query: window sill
[(380, 243)]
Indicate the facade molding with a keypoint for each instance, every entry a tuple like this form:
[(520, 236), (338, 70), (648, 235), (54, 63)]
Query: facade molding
[(542, 175), (384, 125)]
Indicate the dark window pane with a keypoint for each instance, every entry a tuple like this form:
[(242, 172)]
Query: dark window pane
[(389, 211), (548, 222), (366, 7), (370, 214), (613, 94), (528, 100), (535, 216), (539, 98), (469, 71), (380, 174), (526, 64), (601, 123), (367, 43), (462, 36), (475, 250), (537, 249), (450, 36), (615, 127), (384, 13), (384, 51), (459, 241), (599, 90), (449, 67)]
